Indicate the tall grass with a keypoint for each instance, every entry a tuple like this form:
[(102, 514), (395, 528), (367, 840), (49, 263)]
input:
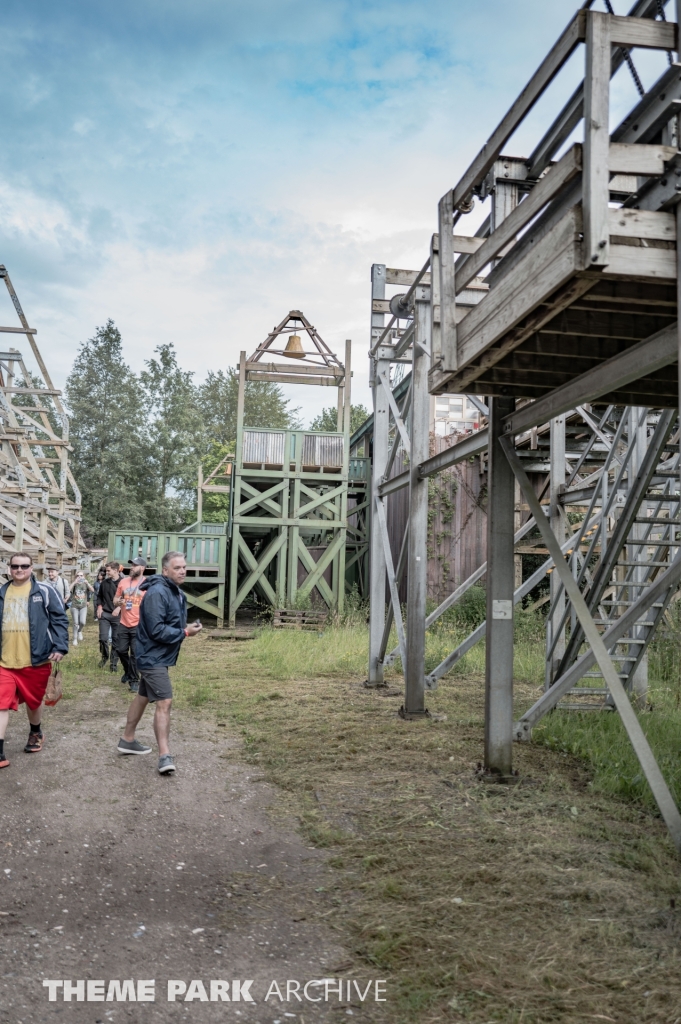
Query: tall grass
[(599, 737)]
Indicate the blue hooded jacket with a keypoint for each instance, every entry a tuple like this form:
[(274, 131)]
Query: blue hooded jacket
[(163, 618), (48, 623)]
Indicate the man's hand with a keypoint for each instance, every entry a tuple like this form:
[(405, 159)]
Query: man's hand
[(195, 628), (55, 656), (99, 612), (116, 612)]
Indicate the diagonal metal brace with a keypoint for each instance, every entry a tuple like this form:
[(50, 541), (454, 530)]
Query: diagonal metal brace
[(649, 765)]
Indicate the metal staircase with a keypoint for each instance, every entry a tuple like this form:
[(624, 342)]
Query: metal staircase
[(616, 562)]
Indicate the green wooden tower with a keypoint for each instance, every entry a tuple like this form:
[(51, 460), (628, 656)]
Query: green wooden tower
[(294, 498)]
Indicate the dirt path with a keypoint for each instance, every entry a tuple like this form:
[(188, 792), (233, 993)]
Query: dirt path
[(110, 871)]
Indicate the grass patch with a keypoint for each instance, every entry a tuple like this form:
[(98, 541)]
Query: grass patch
[(548, 901)]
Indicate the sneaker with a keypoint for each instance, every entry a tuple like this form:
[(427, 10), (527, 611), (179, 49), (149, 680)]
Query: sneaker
[(102, 662), (80, 636), (34, 743), (124, 679), (133, 747), (166, 765), (4, 763), (134, 688), (74, 642)]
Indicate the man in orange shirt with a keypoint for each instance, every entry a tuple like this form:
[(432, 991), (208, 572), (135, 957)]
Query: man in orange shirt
[(129, 598)]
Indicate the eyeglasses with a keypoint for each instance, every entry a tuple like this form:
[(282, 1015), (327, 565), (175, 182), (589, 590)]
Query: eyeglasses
[(20, 568)]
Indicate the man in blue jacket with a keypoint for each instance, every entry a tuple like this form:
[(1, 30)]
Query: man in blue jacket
[(34, 633), (162, 628)]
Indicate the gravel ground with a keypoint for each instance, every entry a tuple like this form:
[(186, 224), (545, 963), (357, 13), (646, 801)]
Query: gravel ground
[(111, 872)]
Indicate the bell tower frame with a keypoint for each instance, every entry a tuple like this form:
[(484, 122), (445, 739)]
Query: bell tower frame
[(289, 514)]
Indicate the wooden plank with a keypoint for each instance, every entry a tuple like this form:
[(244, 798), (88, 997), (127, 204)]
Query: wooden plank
[(544, 75), (18, 330), (596, 176), (31, 391), (552, 182), (561, 299), (634, 261), (296, 366), (631, 158), (646, 357), (642, 223), (292, 378), (643, 32), (543, 270), (612, 324), (447, 312)]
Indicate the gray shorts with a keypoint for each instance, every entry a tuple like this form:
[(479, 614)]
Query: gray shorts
[(155, 683)]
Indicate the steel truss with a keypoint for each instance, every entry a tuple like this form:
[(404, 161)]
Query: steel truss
[(577, 313)]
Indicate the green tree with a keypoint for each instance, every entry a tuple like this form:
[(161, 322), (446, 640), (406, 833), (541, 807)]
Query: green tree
[(328, 419), (176, 440), (108, 434), (216, 505), (264, 406)]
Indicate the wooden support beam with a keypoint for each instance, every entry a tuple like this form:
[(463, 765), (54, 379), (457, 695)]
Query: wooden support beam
[(631, 158), (596, 176), (643, 32)]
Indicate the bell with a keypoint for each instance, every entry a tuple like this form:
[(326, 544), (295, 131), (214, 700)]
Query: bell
[(294, 347)]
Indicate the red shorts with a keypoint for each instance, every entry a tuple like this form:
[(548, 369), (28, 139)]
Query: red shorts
[(23, 686)]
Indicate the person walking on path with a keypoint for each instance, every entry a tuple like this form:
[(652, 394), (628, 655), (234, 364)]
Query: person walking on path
[(61, 585), (128, 599), (34, 633), (101, 575), (80, 593), (161, 630), (108, 616)]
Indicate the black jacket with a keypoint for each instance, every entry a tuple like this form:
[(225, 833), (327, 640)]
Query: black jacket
[(106, 593), (163, 618), (48, 623)]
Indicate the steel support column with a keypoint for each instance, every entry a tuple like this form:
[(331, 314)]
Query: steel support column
[(555, 630), (500, 580), (417, 556)]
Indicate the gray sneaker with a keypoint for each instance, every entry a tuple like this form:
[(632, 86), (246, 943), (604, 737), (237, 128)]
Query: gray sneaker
[(132, 747), (165, 765)]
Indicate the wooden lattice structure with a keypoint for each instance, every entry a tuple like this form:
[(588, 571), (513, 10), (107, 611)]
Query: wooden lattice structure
[(291, 488), (39, 497)]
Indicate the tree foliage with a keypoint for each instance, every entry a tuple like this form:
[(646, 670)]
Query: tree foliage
[(108, 435), (328, 419), (264, 405), (176, 438), (138, 440)]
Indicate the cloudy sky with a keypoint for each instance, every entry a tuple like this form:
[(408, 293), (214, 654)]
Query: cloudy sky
[(195, 170)]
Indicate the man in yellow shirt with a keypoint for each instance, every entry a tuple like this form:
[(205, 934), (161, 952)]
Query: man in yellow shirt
[(34, 633)]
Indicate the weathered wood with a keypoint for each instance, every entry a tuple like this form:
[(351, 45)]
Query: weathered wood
[(596, 176), (630, 158), (640, 262), (293, 378), (448, 349), (642, 32), (552, 183), (298, 367), (545, 268)]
